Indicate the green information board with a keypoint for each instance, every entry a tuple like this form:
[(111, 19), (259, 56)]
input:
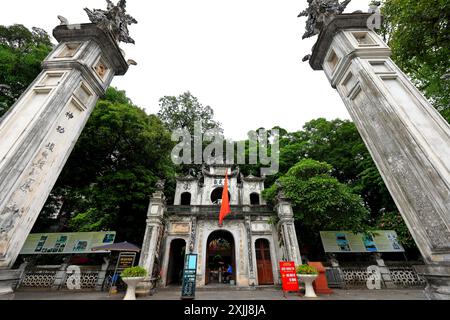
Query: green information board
[(66, 243), (348, 242)]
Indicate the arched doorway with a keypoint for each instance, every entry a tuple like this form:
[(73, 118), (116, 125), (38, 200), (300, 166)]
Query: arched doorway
[(176, 262), (186, 199), (220, 255), (254, 199), (264, 262), (216, 195)]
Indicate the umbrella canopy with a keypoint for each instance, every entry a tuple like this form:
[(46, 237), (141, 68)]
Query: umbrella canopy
[(122, 247)]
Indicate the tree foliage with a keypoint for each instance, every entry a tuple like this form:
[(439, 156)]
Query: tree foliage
[(319, 200), (339, 144), (21, 54), (183, 111), (418, 32), (394, 221), (113, 169)]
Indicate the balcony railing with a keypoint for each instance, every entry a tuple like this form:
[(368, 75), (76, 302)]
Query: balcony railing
[(215, 209)]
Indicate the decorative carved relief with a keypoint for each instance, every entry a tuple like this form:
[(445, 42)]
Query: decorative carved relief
[(249, 245), (8, 219), (241, 251), (383, 128), (180, 228), (101, 69), (193, 234)]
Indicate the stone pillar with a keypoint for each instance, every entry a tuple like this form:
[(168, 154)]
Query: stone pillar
[(41, 129), (288, 233), (61, 275), (102, 273), (23, 270), (251, 249), (150, 246), (193, 235), (407, 138), (385, 273)]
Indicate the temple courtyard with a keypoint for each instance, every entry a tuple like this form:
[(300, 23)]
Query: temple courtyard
[(211, 294)]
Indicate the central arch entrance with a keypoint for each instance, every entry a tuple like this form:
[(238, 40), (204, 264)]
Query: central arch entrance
[(220, 255)]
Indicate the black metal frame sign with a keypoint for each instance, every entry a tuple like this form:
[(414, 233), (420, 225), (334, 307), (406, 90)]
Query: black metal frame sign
[(189, 277), (125, 260)]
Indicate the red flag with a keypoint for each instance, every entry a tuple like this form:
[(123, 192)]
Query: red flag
[(225, 208)]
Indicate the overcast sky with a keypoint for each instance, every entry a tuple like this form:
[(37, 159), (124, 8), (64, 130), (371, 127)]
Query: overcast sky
[(241, 57)]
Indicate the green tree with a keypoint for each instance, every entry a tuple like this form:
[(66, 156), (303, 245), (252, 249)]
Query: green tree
[(112, 171), (417, 32), (319, 200), (255, 169), (183, 111), (21, 54), (338, 143)]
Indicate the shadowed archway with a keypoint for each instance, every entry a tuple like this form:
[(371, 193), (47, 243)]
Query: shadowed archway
[(220, 255)]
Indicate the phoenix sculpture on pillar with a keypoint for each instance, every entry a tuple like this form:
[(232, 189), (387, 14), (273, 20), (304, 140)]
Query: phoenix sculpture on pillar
[(114, 19), (319, 13)]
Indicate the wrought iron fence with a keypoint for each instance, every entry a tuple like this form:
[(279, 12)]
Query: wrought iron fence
[(207, 210)]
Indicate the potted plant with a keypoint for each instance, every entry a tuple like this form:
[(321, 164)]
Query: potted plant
[(307, 275), (132, 277)]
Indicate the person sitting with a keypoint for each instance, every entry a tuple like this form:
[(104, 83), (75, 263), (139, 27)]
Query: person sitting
[(228, 274)]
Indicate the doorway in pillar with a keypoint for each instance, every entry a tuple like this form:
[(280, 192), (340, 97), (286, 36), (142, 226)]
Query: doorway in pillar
[(264, 262), (176, 262), (220, 255)]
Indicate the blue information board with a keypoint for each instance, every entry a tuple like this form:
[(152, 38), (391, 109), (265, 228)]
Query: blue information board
[(189, 277)]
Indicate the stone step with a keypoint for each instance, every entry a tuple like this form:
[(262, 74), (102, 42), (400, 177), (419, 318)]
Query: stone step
[(224, 288)]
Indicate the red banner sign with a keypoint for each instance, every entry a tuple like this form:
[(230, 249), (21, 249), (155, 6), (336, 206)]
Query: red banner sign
[(288, 276)]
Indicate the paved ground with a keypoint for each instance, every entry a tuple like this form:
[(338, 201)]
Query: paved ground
[(266, 294)]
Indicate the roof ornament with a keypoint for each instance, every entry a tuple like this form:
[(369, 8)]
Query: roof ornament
[(160, 185), (320, 13), (114, 19)]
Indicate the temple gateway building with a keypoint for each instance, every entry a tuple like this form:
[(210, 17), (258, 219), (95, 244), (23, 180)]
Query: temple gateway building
[(252, 240)]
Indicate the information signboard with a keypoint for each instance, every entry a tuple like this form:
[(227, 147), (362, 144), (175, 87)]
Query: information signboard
[(189, 277), (66, 243), (348, 242), (126, 260), (288, 276)]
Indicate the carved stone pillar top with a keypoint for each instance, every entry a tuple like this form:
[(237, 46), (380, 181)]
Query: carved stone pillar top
[(91, 31), (285, 211), (326, 36), (158, 197)]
